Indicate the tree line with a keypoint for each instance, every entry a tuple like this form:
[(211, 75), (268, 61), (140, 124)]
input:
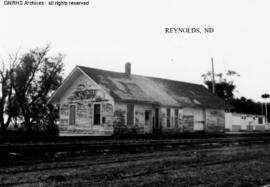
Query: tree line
[(26, 83), (225, 88)]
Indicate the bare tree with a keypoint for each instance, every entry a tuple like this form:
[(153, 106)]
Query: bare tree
[(7, 94)]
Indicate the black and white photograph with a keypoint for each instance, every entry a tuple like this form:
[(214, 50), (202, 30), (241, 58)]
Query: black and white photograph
[(134, 93)]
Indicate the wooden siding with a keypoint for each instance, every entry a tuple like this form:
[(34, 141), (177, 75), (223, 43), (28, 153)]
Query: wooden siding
[(84, 93)]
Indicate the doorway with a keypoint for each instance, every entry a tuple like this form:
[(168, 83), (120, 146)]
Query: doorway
[(156, 126), (148, 121)]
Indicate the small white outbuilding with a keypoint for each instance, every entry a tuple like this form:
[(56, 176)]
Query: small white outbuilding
[(245, 122)]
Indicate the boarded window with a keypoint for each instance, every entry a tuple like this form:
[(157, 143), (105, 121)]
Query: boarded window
[(97, 114), (168, 117), (72, 114), (188, 122), (176, 117), (130, 114)]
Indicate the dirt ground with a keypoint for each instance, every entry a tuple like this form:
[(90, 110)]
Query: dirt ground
[(171, 166)]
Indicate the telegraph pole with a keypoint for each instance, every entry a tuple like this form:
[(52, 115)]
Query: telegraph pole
[(262, 108), (265, 96), (213, 77)]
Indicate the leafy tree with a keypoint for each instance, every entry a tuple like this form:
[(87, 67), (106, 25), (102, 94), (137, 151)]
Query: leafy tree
[(225, 87), (35, 78), (244, 105), (224, 84)]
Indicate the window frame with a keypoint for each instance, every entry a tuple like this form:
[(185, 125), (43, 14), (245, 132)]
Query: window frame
[(75, 113)]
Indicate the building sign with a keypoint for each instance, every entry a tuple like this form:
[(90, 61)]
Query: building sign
[(83, 94)]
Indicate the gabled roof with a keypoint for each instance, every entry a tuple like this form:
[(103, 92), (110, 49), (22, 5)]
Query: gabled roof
[(75, 73), (143, 89)]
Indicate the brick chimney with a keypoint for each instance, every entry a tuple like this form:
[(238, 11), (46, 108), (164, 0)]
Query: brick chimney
[(128, 69)]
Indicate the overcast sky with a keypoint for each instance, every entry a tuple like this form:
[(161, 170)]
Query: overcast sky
[(107, 34)]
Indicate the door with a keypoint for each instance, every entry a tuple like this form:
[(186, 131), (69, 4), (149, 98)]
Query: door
[(148, 121), (130, 115), (72, 114), (157, 126)]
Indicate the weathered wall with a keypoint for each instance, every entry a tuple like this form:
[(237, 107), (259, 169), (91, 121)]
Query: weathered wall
[(197, 116), (174, 118), (139, 125), (228, 121), (187, 120), (120, 114), (215, 120), (168, 120), (139, 117), (84, 93), (193, 119)]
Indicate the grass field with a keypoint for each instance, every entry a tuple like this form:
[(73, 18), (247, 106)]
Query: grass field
[(170, 166)]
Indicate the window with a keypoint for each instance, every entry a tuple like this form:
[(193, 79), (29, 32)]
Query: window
[(72, 114), (168, 117), (97, 114)]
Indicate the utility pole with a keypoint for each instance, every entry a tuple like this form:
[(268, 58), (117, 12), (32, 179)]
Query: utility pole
[(266, 116), (265, 96), (213, 77), (262, 108)]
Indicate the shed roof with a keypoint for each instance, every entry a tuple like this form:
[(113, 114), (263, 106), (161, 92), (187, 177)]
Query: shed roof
[(144, 89)]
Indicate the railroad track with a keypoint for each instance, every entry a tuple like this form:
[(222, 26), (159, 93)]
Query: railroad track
[(95, 145), (97, 161), (127, 166)]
